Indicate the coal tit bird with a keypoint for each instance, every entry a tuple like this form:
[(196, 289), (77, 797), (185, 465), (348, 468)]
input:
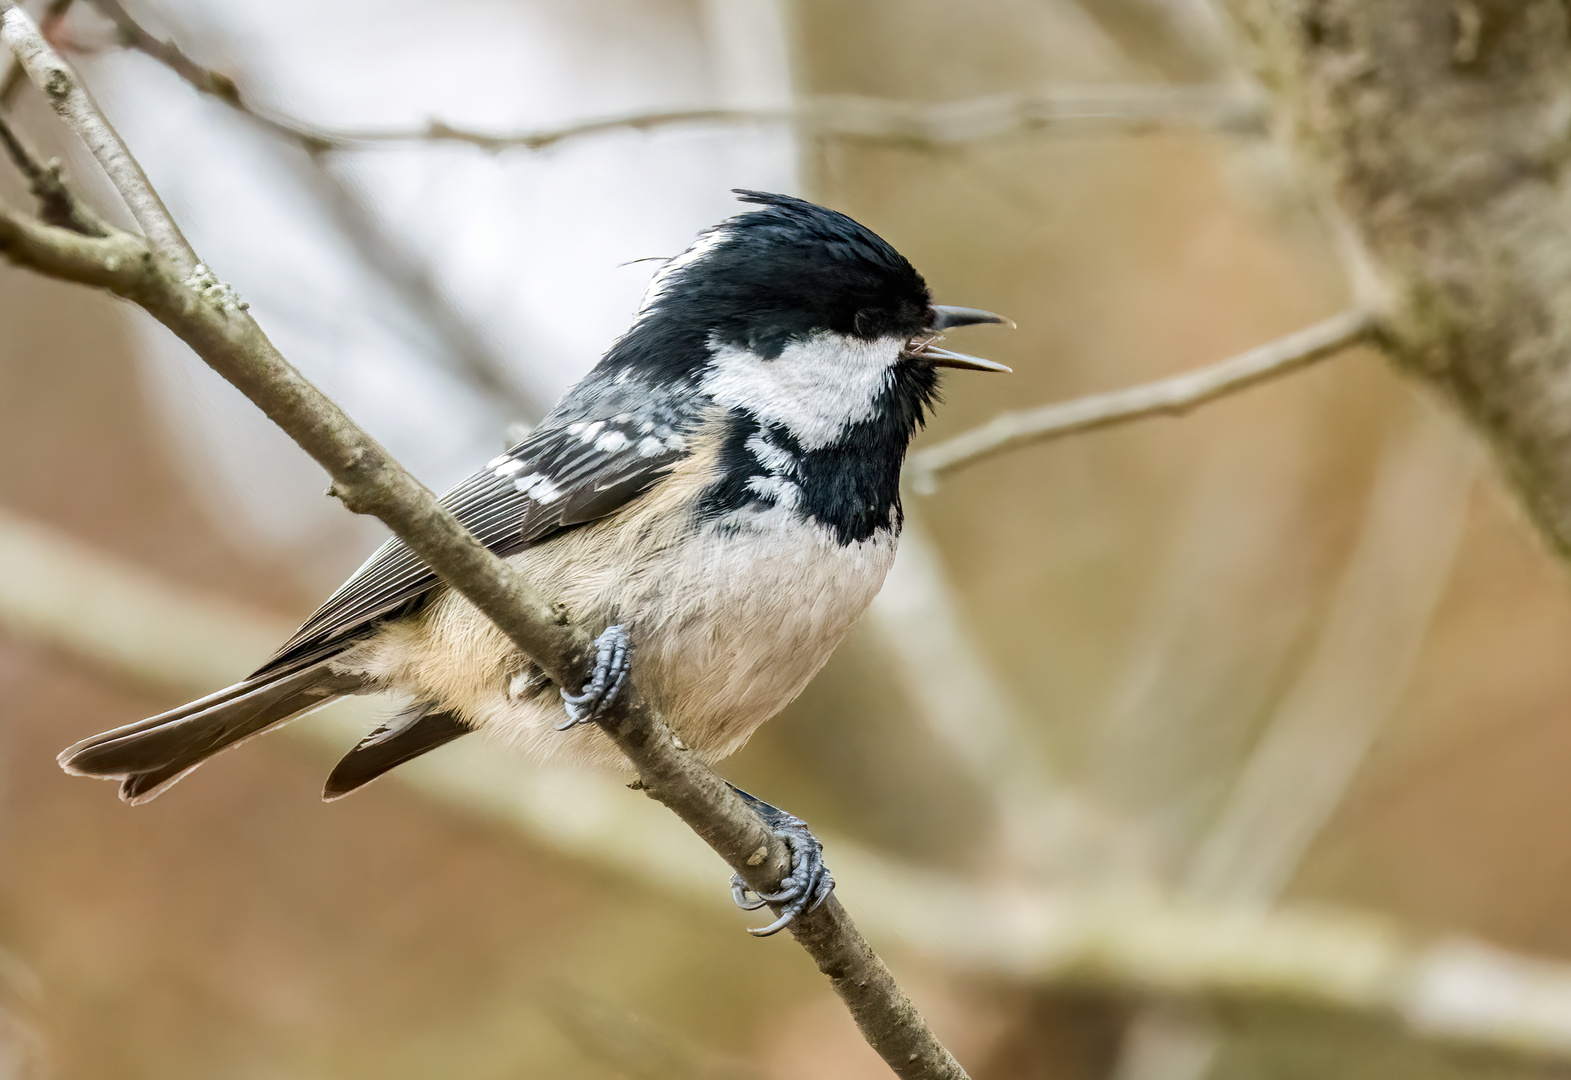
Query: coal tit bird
[(720, 495)]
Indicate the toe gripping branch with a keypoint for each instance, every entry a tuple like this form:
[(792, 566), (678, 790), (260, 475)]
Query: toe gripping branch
[(807, 885), (613, 660), (809, 882)]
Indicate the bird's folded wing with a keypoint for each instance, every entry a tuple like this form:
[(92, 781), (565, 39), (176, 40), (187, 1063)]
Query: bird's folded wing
[(568, 472)]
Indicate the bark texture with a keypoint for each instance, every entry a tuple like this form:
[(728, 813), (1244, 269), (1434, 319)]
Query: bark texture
[(1440, 133)]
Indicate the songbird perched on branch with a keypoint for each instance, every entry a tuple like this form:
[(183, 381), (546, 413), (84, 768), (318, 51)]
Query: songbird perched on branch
[(720, 495)]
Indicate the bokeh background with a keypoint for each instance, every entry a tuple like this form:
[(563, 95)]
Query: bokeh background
[(1295, 652)]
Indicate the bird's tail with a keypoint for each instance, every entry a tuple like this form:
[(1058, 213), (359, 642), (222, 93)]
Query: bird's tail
[(150, 755)]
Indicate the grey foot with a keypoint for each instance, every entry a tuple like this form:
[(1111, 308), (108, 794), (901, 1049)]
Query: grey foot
[(807, 885), (613, 660)]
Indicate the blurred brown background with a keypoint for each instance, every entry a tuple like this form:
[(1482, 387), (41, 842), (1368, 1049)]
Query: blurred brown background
[(1295, 648)]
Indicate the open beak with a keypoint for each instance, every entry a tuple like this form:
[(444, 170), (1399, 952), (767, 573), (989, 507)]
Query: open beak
[(944, 358), (947, 318)]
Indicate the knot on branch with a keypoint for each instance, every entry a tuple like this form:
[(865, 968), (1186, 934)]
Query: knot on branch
[(219, 294), (58, 84)]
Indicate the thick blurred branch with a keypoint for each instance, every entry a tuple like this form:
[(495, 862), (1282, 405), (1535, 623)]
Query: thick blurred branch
[(1328, 719), (1167, 397), (1437, 132), (167, 280), (1352, 682), (632, 1045), (61, 594)]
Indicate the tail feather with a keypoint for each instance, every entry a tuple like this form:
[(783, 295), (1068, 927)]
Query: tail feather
[(150, 755), (421, 728)]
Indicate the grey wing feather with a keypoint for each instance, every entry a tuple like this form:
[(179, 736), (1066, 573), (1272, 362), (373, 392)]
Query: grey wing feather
[(572, 470)]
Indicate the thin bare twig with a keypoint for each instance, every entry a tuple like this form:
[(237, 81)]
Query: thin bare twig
[(134, 35), (12, 77), (470, 356), (70, 100), (1168, 397), (369, 480), (1132, 108), (57, 203)]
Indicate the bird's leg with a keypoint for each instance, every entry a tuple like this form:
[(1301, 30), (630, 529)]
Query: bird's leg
[(613, 660), (807, 885)]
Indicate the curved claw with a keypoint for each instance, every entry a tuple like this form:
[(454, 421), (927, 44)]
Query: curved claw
[(739, 893), (612, 663), (806, 887)]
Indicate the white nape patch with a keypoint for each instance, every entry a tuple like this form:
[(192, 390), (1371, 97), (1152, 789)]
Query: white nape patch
[(707, 241), (815, 388), (611, 442), (768, 454)]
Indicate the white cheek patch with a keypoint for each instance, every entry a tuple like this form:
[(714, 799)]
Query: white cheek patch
[(815, 388)]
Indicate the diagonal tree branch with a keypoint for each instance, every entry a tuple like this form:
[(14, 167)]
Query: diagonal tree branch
[(70, 100), (125, 623), (12, 77), (167, 280), (1168, 397)]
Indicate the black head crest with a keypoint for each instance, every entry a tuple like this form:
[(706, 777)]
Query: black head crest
[(782, 273)]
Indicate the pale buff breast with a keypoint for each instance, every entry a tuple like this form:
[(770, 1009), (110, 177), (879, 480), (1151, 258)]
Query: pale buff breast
[(729, 623)]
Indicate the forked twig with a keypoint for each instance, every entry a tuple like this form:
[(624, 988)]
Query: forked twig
[(164, 276), (1167, 397)]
